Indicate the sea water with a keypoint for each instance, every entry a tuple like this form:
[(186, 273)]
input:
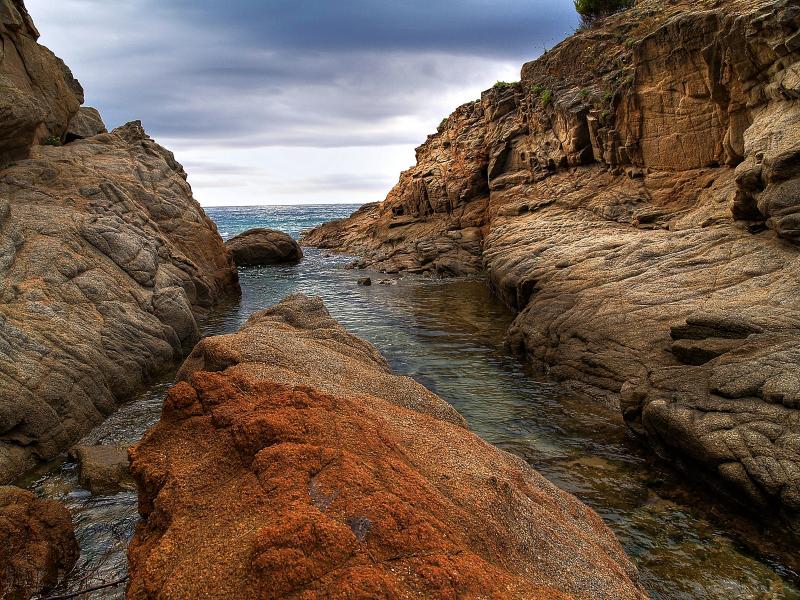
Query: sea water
[(448, 335)]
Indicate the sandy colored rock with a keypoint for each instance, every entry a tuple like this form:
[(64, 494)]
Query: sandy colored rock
[(256, 247), (37, 544), (86, 123), (105, 261), (38, 94), (281, 474), (103, 470), (640, 173)]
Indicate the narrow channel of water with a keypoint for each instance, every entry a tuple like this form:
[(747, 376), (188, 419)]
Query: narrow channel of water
[(448, 335)]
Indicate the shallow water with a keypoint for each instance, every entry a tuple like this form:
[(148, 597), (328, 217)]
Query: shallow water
[(448, 335)]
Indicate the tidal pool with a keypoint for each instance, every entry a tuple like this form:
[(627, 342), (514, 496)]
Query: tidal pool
[(449, 336)]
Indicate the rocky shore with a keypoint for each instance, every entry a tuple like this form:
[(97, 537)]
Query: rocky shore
[(635, 199), (290, 461), (106, 259)]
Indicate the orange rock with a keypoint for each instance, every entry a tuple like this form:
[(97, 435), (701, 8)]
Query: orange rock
[(37, 543), (255, 489)]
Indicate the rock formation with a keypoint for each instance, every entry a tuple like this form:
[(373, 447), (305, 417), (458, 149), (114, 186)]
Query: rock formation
[(103, 469), (105, 258), (86, 123), (257, 247), (291, 462), (635, 197), (37, 544), (38, 94)]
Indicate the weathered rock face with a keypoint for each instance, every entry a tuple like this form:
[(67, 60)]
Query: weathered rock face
[(633, 198), (37, 544), (260, 246), (38, 95), (105, 259), (291, 462)]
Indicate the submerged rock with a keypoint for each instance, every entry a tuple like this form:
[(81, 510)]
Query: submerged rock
[(290, 461), (365, 281), (633, 199), (257, 247), (103, 470), (37, 544)]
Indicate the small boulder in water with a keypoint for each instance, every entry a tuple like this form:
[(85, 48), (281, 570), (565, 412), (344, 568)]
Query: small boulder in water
[(257, 247), (103, 470), (365, 281)]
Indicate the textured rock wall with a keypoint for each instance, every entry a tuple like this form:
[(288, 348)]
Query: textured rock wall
[(105, 256), (634, 197), (291, 462), (106, 260)]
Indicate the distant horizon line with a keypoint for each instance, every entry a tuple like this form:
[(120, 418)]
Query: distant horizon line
[(285, 205)]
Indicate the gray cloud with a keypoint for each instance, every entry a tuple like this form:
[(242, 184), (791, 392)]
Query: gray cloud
[(270, 74), (286, 72)]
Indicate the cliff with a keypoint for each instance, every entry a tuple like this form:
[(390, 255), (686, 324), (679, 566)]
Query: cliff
[(105, 256), (636, 199), (291, 462)]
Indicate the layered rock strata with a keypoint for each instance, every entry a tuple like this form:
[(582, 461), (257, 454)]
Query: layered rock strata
[(106, 259), (635, 197), (291, 462)]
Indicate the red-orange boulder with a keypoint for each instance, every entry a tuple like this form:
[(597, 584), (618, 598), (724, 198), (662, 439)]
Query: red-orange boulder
[(37, 543), (251, 488)]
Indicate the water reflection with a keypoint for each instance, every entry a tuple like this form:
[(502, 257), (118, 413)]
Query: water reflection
[(448, 335)]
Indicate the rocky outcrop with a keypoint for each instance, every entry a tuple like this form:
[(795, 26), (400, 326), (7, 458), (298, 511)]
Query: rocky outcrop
[(37, 544), (105, 261), (38, 94), (291, 462), (634, 198), (258, 247)]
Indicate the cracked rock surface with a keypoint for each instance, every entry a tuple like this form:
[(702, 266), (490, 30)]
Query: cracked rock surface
[(106, 260)]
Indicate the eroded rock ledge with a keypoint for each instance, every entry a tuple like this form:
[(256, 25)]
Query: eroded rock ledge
[(291, 462), (635, 197)]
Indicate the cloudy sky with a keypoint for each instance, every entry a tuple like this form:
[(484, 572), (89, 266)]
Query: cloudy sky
[(293, 101)]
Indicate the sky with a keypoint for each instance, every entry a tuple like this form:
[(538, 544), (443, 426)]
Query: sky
[(294, 101)]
